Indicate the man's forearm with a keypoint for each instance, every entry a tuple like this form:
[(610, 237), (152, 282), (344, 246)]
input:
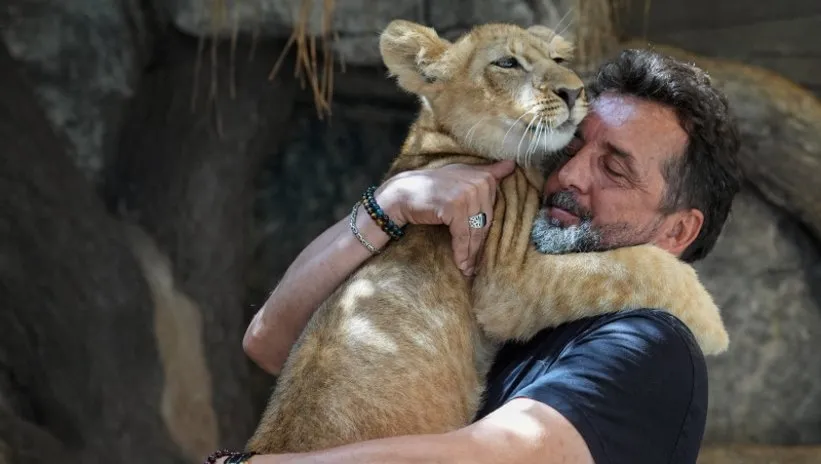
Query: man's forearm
[(412, 449), (522, 431), (311, 278)]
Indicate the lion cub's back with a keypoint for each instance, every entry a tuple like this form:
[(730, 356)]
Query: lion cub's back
[(390, 353)]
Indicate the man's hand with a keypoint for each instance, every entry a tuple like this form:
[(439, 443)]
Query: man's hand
[(447, 195)]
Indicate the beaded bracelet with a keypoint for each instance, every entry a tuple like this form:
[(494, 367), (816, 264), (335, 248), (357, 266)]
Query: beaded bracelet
[(388, 226), (234, 457)]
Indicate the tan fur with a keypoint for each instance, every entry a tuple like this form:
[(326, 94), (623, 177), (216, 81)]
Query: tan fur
[(398, 348), (187, 408)]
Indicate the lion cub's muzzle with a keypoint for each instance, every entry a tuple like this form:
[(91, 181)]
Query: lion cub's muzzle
[(569, 95)]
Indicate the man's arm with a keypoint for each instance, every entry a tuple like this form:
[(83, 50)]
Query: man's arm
[(310, 279), (446, 195), (522, 431), (631, 389)]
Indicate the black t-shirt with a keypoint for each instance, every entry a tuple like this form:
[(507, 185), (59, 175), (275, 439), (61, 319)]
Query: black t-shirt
[(634, 384)]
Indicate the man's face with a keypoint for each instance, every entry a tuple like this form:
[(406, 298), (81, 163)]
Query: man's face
[(608, 194)]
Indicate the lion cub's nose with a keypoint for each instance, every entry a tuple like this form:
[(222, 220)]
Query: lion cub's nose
[(569, 95)]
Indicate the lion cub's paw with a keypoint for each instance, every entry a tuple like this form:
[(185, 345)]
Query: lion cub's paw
[(702, 316), (680, 292)]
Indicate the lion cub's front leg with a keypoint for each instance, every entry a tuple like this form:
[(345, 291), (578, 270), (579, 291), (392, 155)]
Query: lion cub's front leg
[(520, 291)]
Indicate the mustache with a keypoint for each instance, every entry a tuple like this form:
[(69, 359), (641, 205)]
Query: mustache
[(566, 200)]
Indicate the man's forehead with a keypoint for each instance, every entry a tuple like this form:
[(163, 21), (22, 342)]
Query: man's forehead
[(613, 110), (616, 110), (644, 122)]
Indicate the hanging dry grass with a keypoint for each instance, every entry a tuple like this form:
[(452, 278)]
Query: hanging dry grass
[(218, 14), (307, 68), (314, 61)]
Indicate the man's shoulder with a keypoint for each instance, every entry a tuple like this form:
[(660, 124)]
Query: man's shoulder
[(645, 317), (655, 327), (619, 378), (660, 326)]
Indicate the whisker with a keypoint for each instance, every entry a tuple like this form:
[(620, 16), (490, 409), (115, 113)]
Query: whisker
[(468, 135), (570, 23), (514, 125), (545, 136), (530, 137), (532, 134), (524, 134), (539, 136), (548, 133), (534, 139), (537, 148)]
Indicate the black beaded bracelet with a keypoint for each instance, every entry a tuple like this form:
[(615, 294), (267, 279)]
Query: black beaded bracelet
[(234, 457), (388, 226)]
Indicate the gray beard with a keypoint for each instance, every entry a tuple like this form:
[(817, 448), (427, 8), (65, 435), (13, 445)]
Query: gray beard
[(550, 237)]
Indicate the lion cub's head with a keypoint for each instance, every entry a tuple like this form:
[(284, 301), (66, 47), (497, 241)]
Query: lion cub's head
[(502, 91)]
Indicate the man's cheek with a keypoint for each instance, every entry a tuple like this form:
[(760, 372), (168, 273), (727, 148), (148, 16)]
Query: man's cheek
[(605, 211)]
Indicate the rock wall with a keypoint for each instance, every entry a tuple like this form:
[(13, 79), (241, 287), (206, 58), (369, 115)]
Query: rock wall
[(764, 274), (781, 36), (357, 22), (84, 58)]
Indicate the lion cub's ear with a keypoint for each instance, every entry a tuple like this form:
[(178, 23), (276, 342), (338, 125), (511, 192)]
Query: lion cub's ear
[(563, 42), (411, 51)]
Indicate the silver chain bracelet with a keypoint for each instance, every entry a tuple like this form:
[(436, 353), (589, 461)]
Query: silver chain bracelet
[(356, 233)]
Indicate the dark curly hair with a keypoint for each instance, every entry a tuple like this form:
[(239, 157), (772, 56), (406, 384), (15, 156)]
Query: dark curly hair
[(707, 177)]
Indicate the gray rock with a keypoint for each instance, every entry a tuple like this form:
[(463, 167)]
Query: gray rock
[(314, 180), (357, 22), (765, 274), (83, 59)]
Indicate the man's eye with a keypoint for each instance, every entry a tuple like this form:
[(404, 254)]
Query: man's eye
[(612, 171)]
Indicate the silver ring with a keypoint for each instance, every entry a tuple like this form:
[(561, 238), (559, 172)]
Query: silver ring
[(477, 221)]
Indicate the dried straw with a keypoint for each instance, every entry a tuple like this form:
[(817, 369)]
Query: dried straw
[(314, 62), (307, 67)]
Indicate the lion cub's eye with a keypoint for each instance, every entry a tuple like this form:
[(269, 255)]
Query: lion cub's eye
[(507, 62), (558, 60)]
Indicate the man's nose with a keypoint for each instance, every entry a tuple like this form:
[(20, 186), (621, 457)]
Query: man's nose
[(576, 173)]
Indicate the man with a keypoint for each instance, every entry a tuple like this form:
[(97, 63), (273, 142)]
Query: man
[(654, 162)]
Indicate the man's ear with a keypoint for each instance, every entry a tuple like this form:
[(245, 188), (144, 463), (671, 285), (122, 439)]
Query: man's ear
[(682, 229), (410, 51)]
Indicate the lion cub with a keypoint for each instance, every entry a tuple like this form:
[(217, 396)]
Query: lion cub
[(403, 346)]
